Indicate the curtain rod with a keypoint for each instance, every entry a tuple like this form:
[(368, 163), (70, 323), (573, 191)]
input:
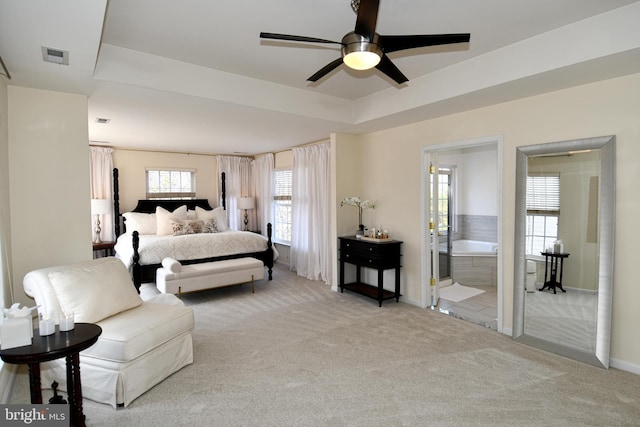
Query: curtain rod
[(4, 67)]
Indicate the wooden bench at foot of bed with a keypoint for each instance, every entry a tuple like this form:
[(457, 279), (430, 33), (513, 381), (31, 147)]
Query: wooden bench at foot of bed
[(175, 278)]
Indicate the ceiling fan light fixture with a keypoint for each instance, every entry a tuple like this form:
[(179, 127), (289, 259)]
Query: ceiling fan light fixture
[(359, 53)]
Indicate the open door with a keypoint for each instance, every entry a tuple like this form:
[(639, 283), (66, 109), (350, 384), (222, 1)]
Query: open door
[(438, 189)]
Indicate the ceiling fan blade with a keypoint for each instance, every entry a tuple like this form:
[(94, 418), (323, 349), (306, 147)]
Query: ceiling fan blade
[(291, 38), (367, 18), (325, 70), (386, 66), (395, 43)]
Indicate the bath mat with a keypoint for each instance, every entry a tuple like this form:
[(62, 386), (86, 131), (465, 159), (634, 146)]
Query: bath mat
[(457, 292)]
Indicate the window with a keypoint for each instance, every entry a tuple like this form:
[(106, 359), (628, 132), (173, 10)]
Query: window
[(445, 178), (171, 184), (543, 211), (282, 206)]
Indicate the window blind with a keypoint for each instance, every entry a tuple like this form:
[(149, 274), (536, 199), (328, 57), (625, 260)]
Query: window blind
[(543, 194), (284, 186)]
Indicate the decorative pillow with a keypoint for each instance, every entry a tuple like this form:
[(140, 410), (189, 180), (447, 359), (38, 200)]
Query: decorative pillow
[(218, 214), (210, 226), (164, 218), (95, 292), (191, 214), (187, 226), (143, 223), (172, 265)]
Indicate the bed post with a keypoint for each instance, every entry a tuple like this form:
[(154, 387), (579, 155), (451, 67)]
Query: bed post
[(116, 203), (223, 178), (269, 252), (137, 269)]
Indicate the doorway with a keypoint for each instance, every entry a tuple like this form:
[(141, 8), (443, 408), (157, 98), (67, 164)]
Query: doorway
[(462, 193)]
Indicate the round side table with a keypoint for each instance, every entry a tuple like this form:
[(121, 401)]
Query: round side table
[(61, 344)]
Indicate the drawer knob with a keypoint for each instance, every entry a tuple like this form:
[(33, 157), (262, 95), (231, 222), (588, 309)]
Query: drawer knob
[(370, 249)]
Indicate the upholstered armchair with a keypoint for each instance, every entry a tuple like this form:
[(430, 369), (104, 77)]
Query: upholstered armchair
[(142, 342)]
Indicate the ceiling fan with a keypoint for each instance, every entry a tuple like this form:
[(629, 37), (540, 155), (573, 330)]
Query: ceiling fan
[(363, 48)]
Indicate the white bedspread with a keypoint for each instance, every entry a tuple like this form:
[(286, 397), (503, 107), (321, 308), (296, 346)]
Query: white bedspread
[(153, 249)]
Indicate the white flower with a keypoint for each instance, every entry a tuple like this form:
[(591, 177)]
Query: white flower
[(356, 201), (360, 204)]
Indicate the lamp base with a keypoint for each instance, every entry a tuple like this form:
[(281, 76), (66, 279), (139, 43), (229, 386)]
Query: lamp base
[(98, 230)]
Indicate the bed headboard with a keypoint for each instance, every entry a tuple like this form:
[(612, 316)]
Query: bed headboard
[(149, 206)]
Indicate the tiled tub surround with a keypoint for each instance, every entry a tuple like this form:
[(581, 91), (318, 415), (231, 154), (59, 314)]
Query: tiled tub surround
[(475, 270), (476, 227)]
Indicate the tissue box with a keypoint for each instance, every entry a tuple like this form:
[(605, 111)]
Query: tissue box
[(16, 332)]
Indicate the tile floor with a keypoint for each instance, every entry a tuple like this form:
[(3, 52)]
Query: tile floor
[(481, 309)]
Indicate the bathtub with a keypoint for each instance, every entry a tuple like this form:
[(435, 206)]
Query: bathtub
[(473, 248), (474, 262)]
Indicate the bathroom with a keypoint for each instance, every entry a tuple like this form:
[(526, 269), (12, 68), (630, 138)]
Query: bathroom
[(473, 258)]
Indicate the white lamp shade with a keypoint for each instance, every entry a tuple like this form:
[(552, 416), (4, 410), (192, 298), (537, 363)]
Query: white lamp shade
[(246, 203), (100, 206)]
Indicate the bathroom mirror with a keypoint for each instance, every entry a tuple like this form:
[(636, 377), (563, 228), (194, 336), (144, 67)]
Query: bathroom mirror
[(562, 291)]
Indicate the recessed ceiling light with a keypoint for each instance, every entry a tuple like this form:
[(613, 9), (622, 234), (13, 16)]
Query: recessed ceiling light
[(102, 120), (56, 56)]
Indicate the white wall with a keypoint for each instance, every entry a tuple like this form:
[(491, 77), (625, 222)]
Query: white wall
[(49, 181), (610, 107)]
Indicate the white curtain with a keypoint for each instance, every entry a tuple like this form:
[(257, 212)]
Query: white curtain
[(262, 172), (238, 184), (310, 253), (102, 188)]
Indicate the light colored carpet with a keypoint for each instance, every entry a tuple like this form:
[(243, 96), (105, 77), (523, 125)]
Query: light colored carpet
[(458, 292), (297, 354)]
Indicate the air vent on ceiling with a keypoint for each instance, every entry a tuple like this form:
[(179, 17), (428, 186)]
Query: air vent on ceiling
[(102, 120), (56, 56)]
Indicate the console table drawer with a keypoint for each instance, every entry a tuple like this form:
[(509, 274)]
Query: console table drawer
[(370, 249)]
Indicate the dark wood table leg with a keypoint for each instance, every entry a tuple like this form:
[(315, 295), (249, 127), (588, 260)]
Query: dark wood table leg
[(380, 286), (34, 383), (74, 390), (397, 284)]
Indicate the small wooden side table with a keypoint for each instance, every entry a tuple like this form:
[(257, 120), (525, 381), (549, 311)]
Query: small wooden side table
[(103, 249), (61, 344), (553, 271)]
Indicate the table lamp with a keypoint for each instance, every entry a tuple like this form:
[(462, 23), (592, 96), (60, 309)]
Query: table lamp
[(246, 203), (99, 207)]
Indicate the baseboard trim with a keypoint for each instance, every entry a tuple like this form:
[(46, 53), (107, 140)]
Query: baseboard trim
[(7, 378), (624, 366)]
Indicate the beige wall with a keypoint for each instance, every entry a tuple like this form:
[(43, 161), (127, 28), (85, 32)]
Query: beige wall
[(609, 107), (5, 230), (132, 165), (49, 181)]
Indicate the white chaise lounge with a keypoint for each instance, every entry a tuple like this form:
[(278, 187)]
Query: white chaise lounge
[(142, 342)]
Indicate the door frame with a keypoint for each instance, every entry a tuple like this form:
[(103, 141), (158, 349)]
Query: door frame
[(498, 141)]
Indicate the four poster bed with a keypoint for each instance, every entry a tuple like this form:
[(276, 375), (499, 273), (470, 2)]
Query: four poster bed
[(146, 240)]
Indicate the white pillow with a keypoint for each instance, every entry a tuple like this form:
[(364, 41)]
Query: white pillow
[(218, 215), (143, 223), (95, 292), (164, 218), (172, 265)]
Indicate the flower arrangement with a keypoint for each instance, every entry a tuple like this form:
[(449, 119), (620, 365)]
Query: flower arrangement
[(360, 204)]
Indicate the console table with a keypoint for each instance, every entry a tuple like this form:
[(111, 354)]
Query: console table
[(61, 344), (380, 255), (553, 270)]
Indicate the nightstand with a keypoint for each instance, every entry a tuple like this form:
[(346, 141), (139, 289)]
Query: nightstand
[(103, 249)]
